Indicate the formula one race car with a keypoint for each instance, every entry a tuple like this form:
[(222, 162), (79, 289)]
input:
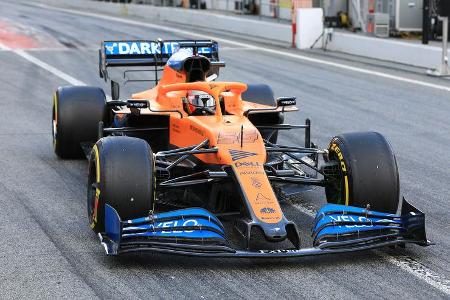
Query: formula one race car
[(193, 166)]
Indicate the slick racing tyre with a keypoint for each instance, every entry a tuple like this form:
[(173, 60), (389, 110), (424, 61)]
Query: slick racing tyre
[(121, 175), (77, 110), (367, 172), (263, 94)]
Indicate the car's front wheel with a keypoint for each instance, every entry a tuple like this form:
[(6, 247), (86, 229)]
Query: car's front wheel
[(366, 173), (121, 175)]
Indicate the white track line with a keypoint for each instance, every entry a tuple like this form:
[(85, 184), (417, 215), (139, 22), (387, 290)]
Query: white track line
[(414, 267), (4, 48), (252, 46), (48, 68), (43, 65), (58, 73), (404, 262)]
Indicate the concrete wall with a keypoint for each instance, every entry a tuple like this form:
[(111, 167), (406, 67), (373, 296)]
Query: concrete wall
[(408, 53), (270, 31), (384, 49)]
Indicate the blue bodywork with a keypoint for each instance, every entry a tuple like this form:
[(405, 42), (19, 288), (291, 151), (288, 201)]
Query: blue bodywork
[(340, 225), (196, 231), (193, 225)]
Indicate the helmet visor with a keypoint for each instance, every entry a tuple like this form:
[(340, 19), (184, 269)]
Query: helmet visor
[(202, 101)]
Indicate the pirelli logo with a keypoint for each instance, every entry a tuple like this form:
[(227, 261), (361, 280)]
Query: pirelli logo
[(236, 154)]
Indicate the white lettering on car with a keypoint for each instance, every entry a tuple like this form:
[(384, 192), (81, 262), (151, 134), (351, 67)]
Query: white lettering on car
[(124, 48), (171, 224), (345, 218), (134, 49), (145, 48)]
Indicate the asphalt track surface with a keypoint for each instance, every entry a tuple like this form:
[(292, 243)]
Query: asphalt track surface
[(48, 251)]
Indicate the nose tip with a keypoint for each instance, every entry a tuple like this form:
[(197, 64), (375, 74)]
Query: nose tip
[(275, 232)]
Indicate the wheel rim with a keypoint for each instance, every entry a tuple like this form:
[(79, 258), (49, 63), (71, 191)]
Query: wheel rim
[(335, 189), (91, 195), (54, 130), (54, 123), (91, 203)]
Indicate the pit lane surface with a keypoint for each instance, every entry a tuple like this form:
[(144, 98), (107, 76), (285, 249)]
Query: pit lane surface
[(47, 249)]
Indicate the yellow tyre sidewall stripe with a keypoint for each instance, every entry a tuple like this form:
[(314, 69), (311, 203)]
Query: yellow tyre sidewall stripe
[(346, 190), (334, 147)]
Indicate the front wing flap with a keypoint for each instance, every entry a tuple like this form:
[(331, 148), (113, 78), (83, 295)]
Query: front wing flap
[(340, 226), (187, 227), (197, 232)]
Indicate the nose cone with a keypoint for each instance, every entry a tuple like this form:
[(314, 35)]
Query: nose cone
[(275, 232)]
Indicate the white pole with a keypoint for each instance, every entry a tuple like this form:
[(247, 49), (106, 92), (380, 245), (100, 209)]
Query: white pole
[(443, 70), (445, 44)]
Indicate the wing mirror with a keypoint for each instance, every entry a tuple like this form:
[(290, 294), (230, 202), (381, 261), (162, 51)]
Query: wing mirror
[(286, 101), (115, 90), (280, 102)]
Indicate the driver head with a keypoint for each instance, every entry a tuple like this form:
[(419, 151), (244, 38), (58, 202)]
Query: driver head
[(201, 103)]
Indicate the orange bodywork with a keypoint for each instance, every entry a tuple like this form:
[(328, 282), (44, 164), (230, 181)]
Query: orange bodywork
[(224, 131)]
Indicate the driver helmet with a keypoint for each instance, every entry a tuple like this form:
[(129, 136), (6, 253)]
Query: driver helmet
[(201, 102)]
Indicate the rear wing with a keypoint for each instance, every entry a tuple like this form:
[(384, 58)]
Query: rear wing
[(149, 53)]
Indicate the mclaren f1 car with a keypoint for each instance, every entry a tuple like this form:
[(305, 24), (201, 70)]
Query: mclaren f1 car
[(193, 165)]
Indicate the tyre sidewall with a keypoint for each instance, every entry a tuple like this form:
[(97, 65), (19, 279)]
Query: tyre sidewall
[(124, 169), (369, 171), (77, 110)]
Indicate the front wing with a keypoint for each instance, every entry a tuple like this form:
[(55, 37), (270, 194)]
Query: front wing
[(197, 232)]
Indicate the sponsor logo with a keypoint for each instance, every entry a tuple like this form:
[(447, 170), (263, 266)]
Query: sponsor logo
[(256, 183), (176, 128), (236, 154), (280, 251), (110, 48), (251, 173), (251, 164), (132, 48), (267, 210), (353, 219), (261, 199), (137, 104), (172, 224), (334, 147), (145, 48), (286, 102), (249, 136), (228, 138), (197, 130)]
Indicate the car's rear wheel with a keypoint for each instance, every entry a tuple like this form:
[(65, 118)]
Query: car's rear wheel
[(263, 94), (367, 172), (121, 175), (76, 112)]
